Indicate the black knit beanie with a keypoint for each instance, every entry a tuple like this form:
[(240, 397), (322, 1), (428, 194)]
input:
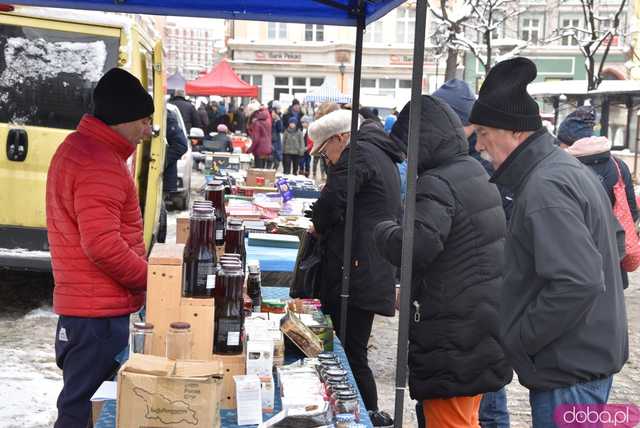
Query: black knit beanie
[(119, 97), (503, 101)]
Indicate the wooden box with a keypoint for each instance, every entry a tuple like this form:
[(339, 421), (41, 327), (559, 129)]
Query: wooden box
[(165, 303), (233, 365), (182, 228)]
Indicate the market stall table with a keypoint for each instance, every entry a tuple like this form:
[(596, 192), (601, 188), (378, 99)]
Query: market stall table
[(228, 417)]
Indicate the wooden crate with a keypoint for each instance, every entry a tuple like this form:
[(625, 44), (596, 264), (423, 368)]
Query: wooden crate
[(233, 365), (199, 313), (182, 229), (164, 291), (165, 303)]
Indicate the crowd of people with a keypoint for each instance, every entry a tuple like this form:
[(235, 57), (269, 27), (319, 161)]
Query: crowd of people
[(519, 258)]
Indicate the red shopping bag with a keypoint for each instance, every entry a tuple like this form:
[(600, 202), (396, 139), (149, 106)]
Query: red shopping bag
[(621, 210)]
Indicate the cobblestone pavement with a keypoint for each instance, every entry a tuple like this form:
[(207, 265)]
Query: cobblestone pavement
[(383, 348)]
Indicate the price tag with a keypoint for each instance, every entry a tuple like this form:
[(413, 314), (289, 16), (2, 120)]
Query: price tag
[(211, 282), (233, 338)]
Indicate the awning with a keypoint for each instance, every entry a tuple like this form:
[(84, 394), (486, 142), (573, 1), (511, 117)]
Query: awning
[(223, 81), (330, 12), (327, 92)]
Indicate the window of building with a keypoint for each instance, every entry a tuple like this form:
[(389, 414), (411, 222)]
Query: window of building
[(277, 30), (368, 83), (373, 33), (405, 84), (568, 24), (531, 29), (313, 33), (406, 20), (384, 86), (295, 85)]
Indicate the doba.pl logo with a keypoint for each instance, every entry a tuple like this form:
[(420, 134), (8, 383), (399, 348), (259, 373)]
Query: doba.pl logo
[(596, 415)]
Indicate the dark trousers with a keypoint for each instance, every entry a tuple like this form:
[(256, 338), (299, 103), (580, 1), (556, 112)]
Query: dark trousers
[(319, 160), (359, 324), (260, 162), (305, 164), (290, 164), (85, 351)]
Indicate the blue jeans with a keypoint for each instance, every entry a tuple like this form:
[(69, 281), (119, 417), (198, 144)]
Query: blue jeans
[(543, 403), (493, 410)]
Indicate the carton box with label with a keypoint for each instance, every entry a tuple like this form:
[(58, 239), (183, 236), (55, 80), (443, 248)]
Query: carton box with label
[(155, 391)]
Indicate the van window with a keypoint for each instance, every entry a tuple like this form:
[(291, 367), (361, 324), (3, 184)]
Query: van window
[(47, 76)]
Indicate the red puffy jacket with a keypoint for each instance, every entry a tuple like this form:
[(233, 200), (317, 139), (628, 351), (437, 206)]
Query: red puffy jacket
[(260, 132), (94, 225)]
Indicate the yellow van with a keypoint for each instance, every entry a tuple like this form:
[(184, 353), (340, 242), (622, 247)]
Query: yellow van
[(50, 61)]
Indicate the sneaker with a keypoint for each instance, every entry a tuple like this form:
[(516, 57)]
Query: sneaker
[(380, 418)]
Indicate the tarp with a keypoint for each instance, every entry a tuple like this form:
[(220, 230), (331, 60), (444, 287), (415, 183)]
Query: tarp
[(176, 81), (330, 12), (327, 92), (223, 81)]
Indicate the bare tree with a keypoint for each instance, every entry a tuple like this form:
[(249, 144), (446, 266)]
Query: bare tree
[(484, 17), (593, 37)]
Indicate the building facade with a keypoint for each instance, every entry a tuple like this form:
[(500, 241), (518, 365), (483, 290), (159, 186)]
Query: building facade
[(288, 60), (192, 46), (544, 26)]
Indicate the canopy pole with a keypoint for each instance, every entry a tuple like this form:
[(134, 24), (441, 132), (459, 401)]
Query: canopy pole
[(351, 178), (408, 220)]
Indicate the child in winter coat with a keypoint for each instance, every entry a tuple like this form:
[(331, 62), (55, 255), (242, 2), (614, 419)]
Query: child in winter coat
[(305, 161), (293, 147)]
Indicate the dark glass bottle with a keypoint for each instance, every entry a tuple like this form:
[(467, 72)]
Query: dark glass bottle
[(199, 266), (229, 314), (254, 285), (234, 239), (214, 192)]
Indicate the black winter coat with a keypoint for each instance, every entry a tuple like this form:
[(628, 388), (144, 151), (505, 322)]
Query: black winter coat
[(177, 146), (377, 198), (188, 112), (454, 345)]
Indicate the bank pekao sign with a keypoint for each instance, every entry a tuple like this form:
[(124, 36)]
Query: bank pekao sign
[(279, 56)]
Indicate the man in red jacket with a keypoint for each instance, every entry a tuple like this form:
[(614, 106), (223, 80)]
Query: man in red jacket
[(95, 234)]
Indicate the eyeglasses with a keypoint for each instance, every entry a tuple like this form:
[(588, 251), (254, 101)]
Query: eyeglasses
[(323, 150)]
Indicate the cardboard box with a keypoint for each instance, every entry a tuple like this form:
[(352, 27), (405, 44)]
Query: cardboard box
[(249, 398), (233, 365), (155, 391), (269, 176), (260, 357)]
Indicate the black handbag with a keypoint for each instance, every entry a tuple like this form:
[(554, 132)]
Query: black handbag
[(306, 274)]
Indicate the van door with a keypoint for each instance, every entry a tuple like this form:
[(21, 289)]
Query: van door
[(48, 70)]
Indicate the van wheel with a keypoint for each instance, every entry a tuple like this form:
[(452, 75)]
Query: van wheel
[(162, 225)]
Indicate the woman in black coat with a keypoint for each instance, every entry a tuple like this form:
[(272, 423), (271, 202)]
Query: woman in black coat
[(377, 198)]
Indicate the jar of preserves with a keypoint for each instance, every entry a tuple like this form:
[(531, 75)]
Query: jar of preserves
[(228, 312), (214, 192), (200, 263), (347, 404), (178, 341), (254, 285), (234, 239), (142, 338)]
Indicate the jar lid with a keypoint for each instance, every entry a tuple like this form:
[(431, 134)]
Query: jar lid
[(231, 256), (326, 356), (143, 325), (215, 185), (335, 373), (346, 395), (235, 222), (180, 325), (339, 387)]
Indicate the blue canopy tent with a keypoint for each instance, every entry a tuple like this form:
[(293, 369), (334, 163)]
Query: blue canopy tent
[(327, 92), (356, 13)]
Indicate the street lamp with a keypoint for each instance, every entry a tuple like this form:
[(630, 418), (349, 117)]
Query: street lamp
[(342, 68)]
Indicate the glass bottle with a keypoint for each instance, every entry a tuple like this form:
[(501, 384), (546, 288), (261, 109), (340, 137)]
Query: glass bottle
[(347, 403), (234, 239), (142, 338), (178, 346), (229, 314), (254, 284), (214, 192), (199, 268)]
